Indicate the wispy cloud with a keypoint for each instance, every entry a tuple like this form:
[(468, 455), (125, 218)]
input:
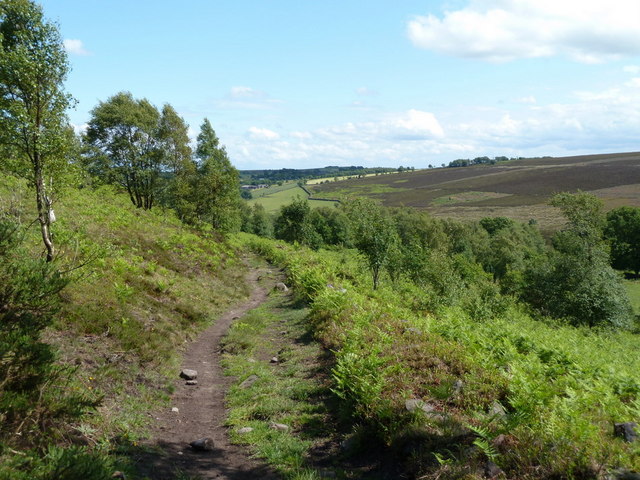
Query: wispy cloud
[(240, 92), (242, 97), (75, 47), (263, 134), (590, 122), (366, 92), (586, 31), (529, 100)]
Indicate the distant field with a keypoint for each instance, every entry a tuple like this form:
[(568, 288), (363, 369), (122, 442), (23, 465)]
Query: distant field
[(318, 181), (273, 189), (274, 197), (519, 189)]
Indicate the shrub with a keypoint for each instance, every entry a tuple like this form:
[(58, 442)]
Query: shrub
[(32, 392)]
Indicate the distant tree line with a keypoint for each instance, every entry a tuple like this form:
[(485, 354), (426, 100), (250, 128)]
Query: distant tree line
[(256, 177), (481, 266), (466, 162)]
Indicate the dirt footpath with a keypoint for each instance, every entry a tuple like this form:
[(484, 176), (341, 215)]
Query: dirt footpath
[(202, 413)]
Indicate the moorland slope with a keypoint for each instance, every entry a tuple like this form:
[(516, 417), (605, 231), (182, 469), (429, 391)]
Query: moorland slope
[(517, 189)]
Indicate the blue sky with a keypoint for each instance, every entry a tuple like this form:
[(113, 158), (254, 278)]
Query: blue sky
[(298, 84)]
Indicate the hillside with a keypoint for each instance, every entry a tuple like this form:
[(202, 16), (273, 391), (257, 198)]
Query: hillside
[(141, 285), (517, 189)]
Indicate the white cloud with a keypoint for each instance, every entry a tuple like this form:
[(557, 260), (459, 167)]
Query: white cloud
[(80, 129), (366, 92), (242, 97), (75, 47), (419, 123), (300, 134), (529, 100), (631, 69), (503, 30), (600, 121), (263, 134), (634, 82), (246, 92)]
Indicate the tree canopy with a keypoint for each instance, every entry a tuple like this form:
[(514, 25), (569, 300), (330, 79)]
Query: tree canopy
[(33, 103), (623, 231), (218, 182), (125, 134)]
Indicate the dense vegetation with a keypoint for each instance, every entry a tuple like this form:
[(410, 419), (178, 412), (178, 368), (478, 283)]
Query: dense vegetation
[(464, 348), (459, 379), (466, 162), (89, 327)]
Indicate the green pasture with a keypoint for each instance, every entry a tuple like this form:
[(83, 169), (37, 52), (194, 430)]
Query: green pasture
[(273, 198), (263, 192), (318, 181)]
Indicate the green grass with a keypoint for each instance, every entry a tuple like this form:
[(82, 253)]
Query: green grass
[(273, 189), (272, 200), (633, 290), (143, 284), (289, 392), (561, 387)]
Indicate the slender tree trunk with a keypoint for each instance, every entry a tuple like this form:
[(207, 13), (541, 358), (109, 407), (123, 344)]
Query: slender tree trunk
[(127, 181), (376, 274), (44, 208)]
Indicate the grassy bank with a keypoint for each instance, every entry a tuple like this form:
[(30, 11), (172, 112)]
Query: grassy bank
[(141, 285), (456, 395)]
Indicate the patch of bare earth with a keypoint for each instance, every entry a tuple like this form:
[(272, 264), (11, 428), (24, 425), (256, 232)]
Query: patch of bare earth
[(201, 413)]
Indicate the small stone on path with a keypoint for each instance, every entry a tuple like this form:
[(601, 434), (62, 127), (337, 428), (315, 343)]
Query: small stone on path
[(413, 404), (626, 431), (175, 410), (192, 382), (491, 470), (281, 287), (202, 444), (274, 360), (188, 374), (458, 386), (626, 475)]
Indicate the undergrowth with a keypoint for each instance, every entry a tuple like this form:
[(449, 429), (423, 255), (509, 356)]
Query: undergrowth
[(456, 394), (140, 284)]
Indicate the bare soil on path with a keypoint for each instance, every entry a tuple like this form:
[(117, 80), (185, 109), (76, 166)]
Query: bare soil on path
[(202, 412)]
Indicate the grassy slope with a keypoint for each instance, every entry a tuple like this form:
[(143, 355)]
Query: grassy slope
[(274, 197), (517, 189), (150, 284), (561, 388)]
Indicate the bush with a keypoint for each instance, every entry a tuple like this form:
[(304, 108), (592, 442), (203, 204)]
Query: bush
[(32, 394), (583, 293)]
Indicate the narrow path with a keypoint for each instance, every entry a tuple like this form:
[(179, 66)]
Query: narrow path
[(201, 412)]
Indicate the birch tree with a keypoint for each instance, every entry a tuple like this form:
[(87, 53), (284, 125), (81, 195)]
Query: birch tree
[(33, 103)]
